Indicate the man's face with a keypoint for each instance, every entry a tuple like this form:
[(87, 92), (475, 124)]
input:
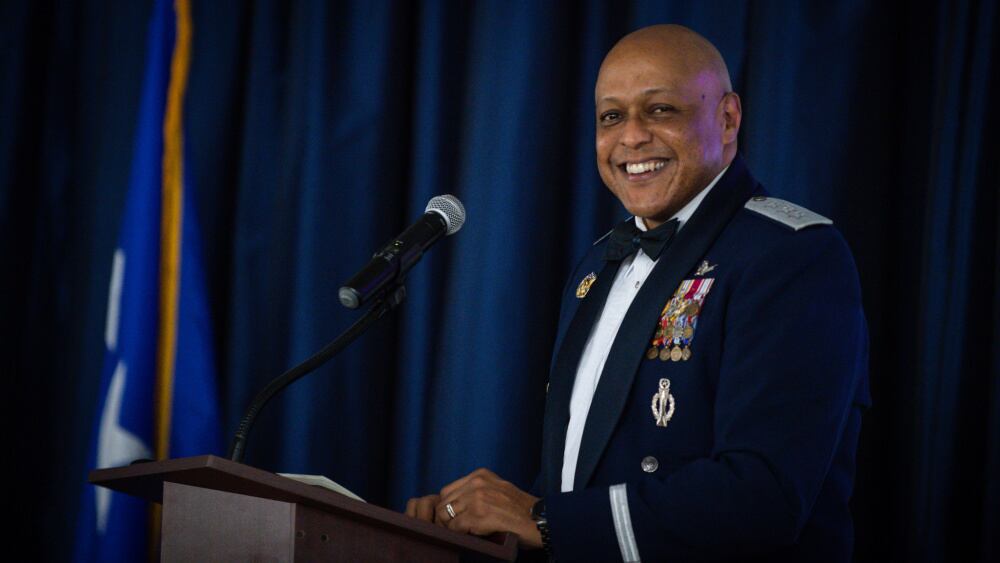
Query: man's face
[(660, 131)]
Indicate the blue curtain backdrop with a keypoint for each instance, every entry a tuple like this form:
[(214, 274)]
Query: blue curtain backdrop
[(318, 130)]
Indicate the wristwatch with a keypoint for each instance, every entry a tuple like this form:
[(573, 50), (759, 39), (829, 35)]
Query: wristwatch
[(542, 523)]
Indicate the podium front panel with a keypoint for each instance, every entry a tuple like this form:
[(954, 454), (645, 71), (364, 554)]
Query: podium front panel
[(207, 525)]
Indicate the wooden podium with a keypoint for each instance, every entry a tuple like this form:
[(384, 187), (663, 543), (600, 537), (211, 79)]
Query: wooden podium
[(215, 509)]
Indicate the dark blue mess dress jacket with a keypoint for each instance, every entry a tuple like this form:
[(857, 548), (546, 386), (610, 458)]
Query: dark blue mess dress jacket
[(757, 459)]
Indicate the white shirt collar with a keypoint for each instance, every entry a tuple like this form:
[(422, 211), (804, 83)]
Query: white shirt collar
[(688, 210)]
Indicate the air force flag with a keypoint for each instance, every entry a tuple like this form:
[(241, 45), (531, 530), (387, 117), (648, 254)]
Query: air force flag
[(158, 396)]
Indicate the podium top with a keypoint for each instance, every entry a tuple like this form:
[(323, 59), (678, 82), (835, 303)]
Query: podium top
[(145, 480)]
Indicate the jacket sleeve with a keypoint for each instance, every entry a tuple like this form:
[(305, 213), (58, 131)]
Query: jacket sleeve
[(794, 354)]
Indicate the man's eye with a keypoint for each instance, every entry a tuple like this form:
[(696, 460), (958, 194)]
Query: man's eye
[(661, 109), (609, 117)]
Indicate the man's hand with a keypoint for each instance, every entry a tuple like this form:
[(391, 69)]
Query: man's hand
[(484, 503)]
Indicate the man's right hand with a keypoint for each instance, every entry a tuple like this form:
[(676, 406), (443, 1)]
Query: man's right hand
[(423, 507)]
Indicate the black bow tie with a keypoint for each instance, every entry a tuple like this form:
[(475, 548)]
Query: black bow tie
[(627, 238)]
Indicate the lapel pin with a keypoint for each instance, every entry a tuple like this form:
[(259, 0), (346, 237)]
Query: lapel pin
[(704, 268), (585, 283)]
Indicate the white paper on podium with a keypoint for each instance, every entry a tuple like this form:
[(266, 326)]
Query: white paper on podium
[(321, 481)]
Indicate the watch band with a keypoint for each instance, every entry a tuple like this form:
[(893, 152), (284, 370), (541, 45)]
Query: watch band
[(542, 523)]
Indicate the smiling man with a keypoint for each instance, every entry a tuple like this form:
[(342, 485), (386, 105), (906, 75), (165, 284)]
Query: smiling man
[(666, 120), (710, 368)]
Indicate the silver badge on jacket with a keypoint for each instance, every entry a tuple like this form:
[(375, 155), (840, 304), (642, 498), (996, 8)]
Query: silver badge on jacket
[(663, 404)]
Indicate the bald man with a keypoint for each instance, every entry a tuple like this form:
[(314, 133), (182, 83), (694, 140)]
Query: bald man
[(710, 368)]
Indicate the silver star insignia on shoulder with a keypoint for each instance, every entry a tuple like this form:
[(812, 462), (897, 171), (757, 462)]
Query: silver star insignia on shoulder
[(704, 268)]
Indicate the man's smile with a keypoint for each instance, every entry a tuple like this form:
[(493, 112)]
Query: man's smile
[(638, 171)]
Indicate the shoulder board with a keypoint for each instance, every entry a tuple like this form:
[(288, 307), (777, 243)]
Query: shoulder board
[(788, 214), (604, 236)]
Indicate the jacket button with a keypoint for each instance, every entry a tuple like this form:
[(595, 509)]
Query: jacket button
[(649, 464)]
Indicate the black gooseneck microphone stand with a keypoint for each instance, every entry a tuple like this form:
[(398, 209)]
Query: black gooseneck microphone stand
[(388, 301)]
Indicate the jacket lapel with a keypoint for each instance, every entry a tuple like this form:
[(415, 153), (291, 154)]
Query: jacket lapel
[(564, 373), (629, 346)]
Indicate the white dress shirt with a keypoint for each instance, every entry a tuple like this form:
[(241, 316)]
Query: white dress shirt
[(631, 275)]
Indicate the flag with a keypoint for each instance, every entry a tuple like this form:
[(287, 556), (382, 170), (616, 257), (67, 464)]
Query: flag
[(158, 394)]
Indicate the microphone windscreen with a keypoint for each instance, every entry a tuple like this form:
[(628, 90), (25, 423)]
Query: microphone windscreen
[(450, 208)]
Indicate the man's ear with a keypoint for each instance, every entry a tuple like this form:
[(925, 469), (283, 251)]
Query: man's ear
[(732, 116)]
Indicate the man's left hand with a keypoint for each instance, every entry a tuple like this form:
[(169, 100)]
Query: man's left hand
[(484, 503)]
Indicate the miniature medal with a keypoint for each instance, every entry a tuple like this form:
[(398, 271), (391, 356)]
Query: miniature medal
[(663, 404), (585, 283), (675, 354)]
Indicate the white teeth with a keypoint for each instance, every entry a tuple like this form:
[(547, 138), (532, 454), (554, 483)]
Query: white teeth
[(642, 167)]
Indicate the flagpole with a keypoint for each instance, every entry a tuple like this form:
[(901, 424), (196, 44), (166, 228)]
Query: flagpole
[(171, 228), (171, 222)]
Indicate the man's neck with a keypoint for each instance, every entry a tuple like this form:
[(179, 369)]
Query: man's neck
[(684, 213)]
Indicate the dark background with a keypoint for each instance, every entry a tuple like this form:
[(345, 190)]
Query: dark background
[(318, 130)]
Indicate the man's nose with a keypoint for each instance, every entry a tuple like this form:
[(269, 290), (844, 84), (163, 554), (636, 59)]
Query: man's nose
[(635, 134)]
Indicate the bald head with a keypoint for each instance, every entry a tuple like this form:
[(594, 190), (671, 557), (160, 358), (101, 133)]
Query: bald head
[(667, 119), (685, 51)]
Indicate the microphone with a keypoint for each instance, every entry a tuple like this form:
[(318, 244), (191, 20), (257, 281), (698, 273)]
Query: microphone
[(443, 216)]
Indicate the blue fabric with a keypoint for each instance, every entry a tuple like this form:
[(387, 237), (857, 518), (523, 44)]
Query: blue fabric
[(116, 527), (317, 131), (758, 458)]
